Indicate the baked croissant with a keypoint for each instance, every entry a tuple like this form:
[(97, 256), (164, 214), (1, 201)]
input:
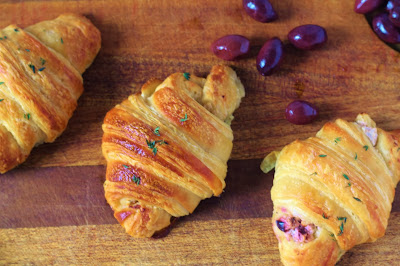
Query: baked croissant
[(40, 81), (333, 191), (167, 148)]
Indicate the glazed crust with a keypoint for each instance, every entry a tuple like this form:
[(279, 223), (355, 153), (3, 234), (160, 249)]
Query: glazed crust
[(165, 152), (39, 90), (341, 183)]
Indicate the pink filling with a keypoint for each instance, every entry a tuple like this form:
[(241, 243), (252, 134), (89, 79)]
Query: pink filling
[(371, 132), (293, 229)]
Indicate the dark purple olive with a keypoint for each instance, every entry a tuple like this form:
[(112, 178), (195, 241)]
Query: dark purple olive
[(270, 56), (260, 10), (230, 47), (385, 29), (307, 37), (301, 112), (280, 225), (365, 6), (394, 15)]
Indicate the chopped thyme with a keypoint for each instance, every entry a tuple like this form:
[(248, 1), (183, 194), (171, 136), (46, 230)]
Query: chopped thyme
[(315, 173), (16, 30), (341, 229), (155, 151), (322, 155), (186, 75), (152, 145), (125, 166), (342, 219), (324, 216), (345, 176), (1, 83), (27, 116), (62, 41), (32, 67), (41, 69), (355, 158), (337, 140), (185, 118), (1, 100), (157, 131), (42, 61), (357, 199), (27, 50), (348, 184), (365, 147), (136, 179), (5, 37)]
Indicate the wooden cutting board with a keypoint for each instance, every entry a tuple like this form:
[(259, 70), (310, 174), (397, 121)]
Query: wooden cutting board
[(52, 209)]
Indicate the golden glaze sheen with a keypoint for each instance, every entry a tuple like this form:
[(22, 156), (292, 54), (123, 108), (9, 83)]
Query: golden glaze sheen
[(165, 152), (39, 87), (341, 183)]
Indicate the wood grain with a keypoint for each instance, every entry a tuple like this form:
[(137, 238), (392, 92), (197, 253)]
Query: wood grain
[(355, 72), (234, 241), (52, 207)]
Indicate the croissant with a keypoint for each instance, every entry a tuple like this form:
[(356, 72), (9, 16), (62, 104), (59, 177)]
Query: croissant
[(40, 81), (333, 191), (167, 148)]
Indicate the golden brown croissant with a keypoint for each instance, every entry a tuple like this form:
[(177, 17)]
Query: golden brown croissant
[(40, 81), (333, 191), (165, 151)]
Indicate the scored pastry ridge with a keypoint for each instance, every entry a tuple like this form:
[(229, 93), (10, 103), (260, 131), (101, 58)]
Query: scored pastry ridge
[(40, 83), (165, 151)]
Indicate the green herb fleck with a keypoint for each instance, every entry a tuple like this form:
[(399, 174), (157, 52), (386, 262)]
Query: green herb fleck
[(348, 184), (315, 173), (331, 235), (185, 118), (324, 216), (157, 131), (155, 151), (345, 176), (16, 30), (125, 166), (27, 50), (337, 140), (341, 229), (186, 75), (32, 67), (357, 199), (365, 147), (27, 116), (5, 37), (398, 149), (1, 83), (322, 155), (151, 144), (136, 179), (1, 100), (1, 38), (355, 158), (62, 41), (42, 61), (342, 219), (41, 69)]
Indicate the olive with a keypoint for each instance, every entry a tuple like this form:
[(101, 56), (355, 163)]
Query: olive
[(270, 56), (307, 37), (365, 6), (394, 15), (385, 29), (301, 112), (280, 225), (390, 5), (260, 10), (230, 47)]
